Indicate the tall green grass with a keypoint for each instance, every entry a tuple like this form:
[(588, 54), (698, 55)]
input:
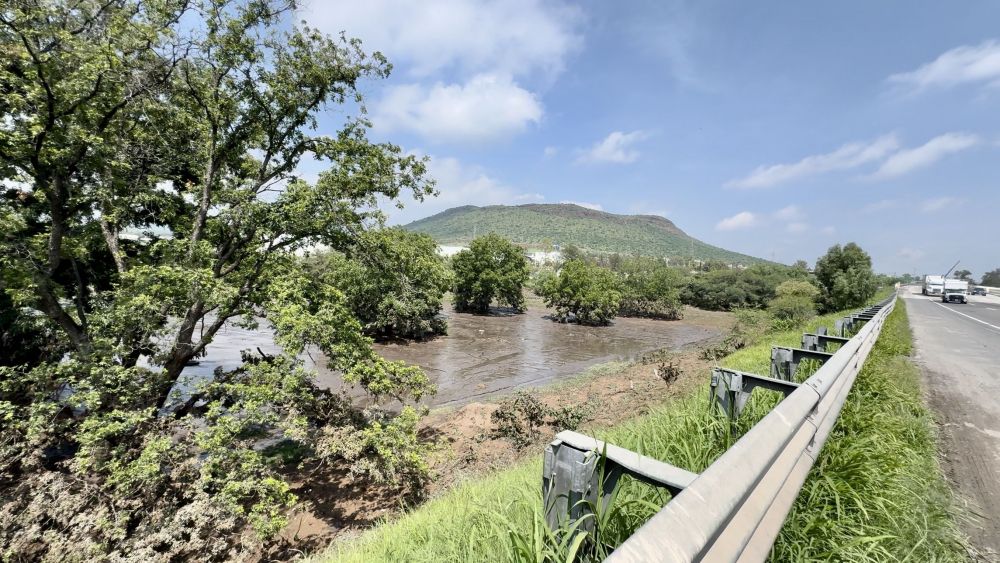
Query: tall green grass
[(876, 493)]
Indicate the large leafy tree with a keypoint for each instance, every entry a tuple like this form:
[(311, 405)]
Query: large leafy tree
[(394, 281), (584, 293), (650, 288), (491, 269), (148, 152), (845, 275)]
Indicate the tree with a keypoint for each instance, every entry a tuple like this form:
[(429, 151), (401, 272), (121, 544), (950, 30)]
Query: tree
[(845, 276), (964, 275), (794, 301), (991, 279), (180, 124), (583, 292), (393, 279), (650, 288), (491, 269)]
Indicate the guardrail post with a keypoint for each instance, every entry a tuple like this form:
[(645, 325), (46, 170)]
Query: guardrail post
[(727, 392), (785, 361), (570, 484)]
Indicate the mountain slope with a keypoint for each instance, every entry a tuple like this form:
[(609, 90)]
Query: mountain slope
[(533, 225)]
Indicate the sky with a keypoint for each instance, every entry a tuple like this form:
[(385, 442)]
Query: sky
[(775, 129)]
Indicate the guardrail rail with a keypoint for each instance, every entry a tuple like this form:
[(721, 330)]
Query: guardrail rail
[(733, 510)]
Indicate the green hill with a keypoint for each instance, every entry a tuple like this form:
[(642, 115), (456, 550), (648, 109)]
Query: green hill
[(535, 224)]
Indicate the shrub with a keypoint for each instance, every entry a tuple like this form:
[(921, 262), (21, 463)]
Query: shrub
[(492, 268), (583, 292), (795, 302), (519, 418)]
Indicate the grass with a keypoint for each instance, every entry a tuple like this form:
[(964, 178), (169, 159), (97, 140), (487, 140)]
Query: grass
[(875, 494)]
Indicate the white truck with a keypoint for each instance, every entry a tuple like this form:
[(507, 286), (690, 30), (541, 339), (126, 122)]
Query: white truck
[(933, 285), (955, 291)]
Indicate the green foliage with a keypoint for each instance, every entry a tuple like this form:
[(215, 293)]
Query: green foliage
[(147, 157), (726, 290), (394, 281), (491, 269), (650, 289), (584, 293), (991, 278), (845, 276), (794, 302), (574, 228)]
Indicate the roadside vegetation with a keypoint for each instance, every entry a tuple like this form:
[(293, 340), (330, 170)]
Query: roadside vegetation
[(875, 494)]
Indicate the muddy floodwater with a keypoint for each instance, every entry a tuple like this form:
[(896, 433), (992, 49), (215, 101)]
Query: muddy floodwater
[(489, 355)]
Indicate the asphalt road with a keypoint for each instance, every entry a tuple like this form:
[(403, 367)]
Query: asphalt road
[(958, 348)]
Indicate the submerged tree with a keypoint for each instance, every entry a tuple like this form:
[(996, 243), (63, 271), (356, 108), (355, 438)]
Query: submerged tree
[(584, 293), (148, 152), (394, 281), (491, 269)]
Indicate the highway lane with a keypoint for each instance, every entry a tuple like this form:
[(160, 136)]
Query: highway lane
[(958, 349)]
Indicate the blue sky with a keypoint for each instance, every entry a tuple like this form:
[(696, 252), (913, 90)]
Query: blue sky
[(774, 129)]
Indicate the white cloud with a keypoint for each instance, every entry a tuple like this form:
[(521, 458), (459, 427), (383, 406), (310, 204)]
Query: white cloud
[(788, 213), (459, 184), (549, 152), (930, 152), (846, 157), (741, 220), (616, 148), (910, 253), (487, 107), (797, 227), (470, 36), (880, 205), (829, 230), (938, 203), (961, 65), (594, 206)]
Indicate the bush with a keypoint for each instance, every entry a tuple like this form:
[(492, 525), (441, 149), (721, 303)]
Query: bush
[(583, 292), (492, 268), (795, 302), (727, 290), (520, 417), (393, 279)]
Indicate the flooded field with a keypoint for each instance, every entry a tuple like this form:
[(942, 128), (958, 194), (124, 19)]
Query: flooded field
[(483, 356)]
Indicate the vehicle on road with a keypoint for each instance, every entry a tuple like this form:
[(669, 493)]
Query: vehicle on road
[(933, 285), (954, 291), (978, 291)]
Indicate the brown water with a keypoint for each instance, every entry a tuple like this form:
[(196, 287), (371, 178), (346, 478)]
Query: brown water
[(489, 355)]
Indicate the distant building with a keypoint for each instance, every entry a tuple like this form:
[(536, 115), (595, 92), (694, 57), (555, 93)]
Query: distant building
[(542, 257), (449, 251)]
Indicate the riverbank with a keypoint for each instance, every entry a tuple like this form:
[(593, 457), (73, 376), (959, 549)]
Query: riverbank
[(876, 493), (333, 504)]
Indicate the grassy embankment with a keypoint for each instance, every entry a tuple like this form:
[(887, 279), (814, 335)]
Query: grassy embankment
[(875, 494)]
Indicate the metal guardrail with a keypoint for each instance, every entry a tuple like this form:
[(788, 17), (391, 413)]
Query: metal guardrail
[(734, 510)]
